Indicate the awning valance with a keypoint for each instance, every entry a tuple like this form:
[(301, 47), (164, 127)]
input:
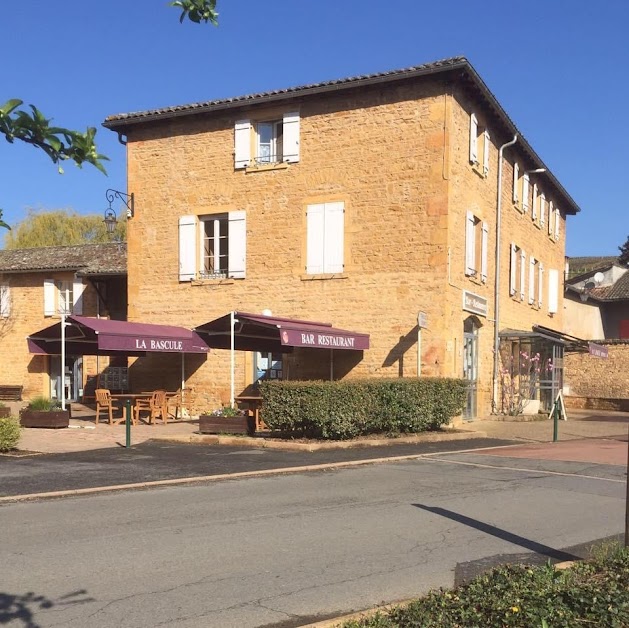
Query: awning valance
[(102, 336), (257, 332)]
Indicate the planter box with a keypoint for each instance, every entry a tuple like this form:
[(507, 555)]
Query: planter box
[(5, 413), (54, 419), (242, 424)]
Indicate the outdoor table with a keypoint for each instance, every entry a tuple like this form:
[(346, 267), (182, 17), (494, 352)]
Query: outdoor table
[(254, 403), (132, 397)]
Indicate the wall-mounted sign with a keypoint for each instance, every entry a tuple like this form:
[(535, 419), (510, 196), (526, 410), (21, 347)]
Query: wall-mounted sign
[(422, 320), (598, 350), (474, 303)]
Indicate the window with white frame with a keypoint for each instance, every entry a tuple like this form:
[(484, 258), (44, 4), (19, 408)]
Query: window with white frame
[(476, 242), (63, 296), (5, 301), (480, 143), (534, 203), (557, 223), (266, 141), (213, 246), (542, 209), (535, 282), (525, 192), (325, 238), (551, 218), (517, 274)]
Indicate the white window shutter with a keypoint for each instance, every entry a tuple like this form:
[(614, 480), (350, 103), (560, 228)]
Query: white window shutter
[(486, 145), (473, 139), (483, 248), (242, 144), (315, 239), (553, 291), (531, 280), (542, 209), (237, 233), (78, 287), (557, 222), (513, 269), (535, 202), (551, 213), (5, 301), (333, 239), (50, 291), (188, 236), (470, 245), (522, 274), (540, 288), (291, 137), (516, 180), (525, 192)]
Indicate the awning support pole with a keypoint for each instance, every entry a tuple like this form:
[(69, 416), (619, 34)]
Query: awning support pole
[(232, 325), (183, 377), (63, 360), (331, 365)]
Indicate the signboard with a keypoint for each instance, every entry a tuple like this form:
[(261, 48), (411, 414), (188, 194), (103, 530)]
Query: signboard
[(598, 351), (474, 303), (318, 339), (422, 320), (191, 344)]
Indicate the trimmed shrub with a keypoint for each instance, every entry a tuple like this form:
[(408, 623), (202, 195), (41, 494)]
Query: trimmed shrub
[(9, 434), (591, 593), (340, 410)]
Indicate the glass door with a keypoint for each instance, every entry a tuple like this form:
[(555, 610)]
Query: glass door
[(470, 366)]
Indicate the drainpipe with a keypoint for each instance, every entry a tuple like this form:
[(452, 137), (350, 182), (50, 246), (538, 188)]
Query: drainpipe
[(495, 377)]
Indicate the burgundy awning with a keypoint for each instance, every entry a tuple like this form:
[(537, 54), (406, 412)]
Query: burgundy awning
[(256, 332), (102, 336)]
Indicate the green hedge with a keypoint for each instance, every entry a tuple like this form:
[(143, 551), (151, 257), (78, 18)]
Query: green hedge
[(344, 409), (592, 593), (9, 434)]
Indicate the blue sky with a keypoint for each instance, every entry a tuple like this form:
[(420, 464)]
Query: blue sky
[(559, 69)]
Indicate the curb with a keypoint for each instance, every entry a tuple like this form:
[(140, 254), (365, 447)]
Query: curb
[(266, 443), (370, 612)]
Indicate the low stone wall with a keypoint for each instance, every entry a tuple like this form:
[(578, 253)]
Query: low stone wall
[(598, 383)]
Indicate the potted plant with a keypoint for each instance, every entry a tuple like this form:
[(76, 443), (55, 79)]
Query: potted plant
[(5, 411), (226, 420), (44, 412)]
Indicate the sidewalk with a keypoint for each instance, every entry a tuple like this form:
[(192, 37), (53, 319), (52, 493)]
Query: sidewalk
[(84, 435)]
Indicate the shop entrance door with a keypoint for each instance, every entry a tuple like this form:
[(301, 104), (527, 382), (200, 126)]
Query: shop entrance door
[(72, 380), (470, 366)]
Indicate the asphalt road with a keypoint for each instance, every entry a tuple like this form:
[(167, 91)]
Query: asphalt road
[(154, 461), (281, 550)]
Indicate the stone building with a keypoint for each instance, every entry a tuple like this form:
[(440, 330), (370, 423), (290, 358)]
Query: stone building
[(369, 203)]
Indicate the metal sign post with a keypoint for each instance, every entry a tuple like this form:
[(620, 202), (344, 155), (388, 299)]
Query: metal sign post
[(128, 423), (422, 320)]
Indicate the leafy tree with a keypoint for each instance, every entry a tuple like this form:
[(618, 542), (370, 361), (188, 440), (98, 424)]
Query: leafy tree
[(60, 228), (61, 144), (624, 253)]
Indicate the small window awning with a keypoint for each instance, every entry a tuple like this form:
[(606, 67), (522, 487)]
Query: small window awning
[(102, 336), (257, 332), (571, 343)]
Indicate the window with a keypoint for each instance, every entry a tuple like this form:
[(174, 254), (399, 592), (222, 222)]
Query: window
[(476, 233), (525, 192), (265, 142), (551, 214), (542, 209), (517, 276), (5, 301), (63, 296), (213, 246), (480, 143), (516, 184), (325, 238), (267, 366), (535, 280), (535, 203), (557, 223)]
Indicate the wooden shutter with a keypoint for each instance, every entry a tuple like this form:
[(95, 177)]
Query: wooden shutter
[(315, 239), (553, 291), (5, 301), (483, 248), (78, 287), (188, 236), (486, 144), (525, 192), (470, 245), (531, 280), (535, 202), (237, 233), (242, 144), (522, 274), (540, 287), (542, 209), (291, 137), (473, 139), (513, 269), (50, 291), (551, 213), (333, 238), (516, 180)]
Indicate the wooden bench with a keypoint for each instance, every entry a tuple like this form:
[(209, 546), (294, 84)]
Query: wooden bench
[(10, 393)]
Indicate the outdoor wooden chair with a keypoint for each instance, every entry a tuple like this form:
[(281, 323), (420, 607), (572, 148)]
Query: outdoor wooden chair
[(179, 404), (104, 402), (156, 407)]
